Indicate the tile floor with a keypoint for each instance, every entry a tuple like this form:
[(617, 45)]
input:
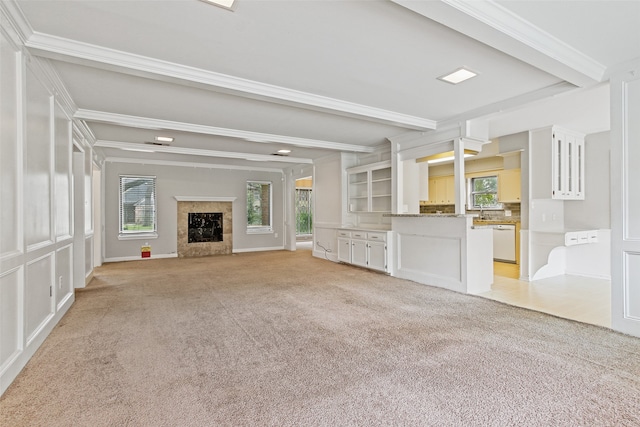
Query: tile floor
[(584, 299)]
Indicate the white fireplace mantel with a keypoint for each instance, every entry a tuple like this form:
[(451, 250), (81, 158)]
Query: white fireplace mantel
[(204, 199)]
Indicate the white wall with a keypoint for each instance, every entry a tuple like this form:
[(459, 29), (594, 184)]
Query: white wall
[(595, 210), (327, 204), (174, 181), (410, 201), (36, 199)]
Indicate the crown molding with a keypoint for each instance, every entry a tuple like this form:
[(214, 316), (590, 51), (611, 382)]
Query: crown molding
[(492, 24), (57, 86), (514, 26), (66, 49), (189, 164), (130, 146), (157, 124), (16, 25)]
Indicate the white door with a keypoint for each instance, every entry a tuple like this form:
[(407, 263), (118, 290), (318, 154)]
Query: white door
[(625, 201)]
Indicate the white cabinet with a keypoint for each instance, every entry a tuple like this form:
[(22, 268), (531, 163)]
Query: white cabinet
[(369, 188), (359, 248), (364, 248), (557, 164), (344, 246), (568, 164), (377, 255)]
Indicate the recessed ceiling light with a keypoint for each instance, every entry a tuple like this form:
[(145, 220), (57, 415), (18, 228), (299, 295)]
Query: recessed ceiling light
[(458, 76), (284, 151), (227, 4), (164, 139)]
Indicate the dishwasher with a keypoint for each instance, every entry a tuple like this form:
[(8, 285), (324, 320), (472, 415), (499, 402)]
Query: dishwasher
[(504, 243)]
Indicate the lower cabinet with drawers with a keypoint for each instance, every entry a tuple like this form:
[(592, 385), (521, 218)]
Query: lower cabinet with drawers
[(364, 248)]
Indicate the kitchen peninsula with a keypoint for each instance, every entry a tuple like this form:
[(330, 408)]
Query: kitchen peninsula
[(443, 250)]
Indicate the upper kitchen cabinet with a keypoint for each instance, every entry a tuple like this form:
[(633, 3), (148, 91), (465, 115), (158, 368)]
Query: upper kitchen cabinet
[(369, 188), (509, 186), (557, 156), (441, 190), (568, 165)]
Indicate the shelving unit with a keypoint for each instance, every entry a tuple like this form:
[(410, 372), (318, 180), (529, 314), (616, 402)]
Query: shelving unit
[(370, 188)]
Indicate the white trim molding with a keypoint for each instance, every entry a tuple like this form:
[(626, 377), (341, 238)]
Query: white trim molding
[(188, 164), (204, 199), (272, 248), (158, 124), (78, 52), (128, 146), (138, 258), (494, 25)]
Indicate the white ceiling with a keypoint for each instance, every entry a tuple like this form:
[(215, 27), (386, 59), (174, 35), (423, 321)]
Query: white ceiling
[(317, 76)]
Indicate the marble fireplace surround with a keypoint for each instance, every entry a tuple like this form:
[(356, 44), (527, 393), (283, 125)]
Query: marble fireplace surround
[(201, 204)]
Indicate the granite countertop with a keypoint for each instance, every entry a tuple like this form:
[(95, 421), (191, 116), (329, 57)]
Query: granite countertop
[(443, 215)]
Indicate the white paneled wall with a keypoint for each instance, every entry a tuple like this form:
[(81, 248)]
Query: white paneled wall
[(38, 149), (63, 188), (36, 205)]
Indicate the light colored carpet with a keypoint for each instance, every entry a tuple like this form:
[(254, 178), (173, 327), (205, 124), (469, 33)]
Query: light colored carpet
[(284, 339)]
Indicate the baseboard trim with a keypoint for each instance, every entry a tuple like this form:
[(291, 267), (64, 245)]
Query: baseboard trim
[(18, 361), (273, 248), (137, 258)]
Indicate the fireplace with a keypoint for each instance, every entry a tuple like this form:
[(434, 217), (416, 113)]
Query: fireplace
[(205, 226)]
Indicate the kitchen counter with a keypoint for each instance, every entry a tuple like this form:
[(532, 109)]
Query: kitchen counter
[(443, 215), (442, 250)]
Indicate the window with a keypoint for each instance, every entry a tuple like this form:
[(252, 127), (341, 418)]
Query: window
[(137, 206), (259, 207), (484, 192)]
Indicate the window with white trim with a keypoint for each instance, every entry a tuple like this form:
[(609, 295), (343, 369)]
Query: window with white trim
[(484, 192), (137, 205), (259, 207)]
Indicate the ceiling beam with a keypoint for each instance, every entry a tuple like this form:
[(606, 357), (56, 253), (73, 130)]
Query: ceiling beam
[(494, 25), (147, 148), (100, 57), (158, 124), (190, 164)]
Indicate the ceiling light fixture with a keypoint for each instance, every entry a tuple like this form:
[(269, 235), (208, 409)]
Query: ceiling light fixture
[(227, 4), (164, 139), (458, 76), (283, 151)]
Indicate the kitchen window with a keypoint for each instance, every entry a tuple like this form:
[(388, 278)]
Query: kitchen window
[(259, 207), (484, 192)]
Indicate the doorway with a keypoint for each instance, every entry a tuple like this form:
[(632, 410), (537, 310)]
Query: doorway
[(304, 209)]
